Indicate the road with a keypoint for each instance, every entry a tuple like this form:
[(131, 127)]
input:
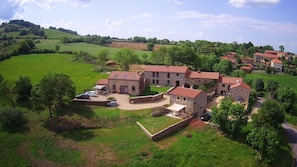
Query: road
[(292, 138)]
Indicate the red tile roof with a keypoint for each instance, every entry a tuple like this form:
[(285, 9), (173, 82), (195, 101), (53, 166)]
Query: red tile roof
[(124, 75), (174, 69), (240, 84), (245, 67), (185, 92), (204, 75), (266, 55), (102, 82), (276, 61), (231, 80)]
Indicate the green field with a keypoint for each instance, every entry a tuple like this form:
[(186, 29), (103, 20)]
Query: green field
[(37, 65), (120, 142), (283, 80), (77, 47)]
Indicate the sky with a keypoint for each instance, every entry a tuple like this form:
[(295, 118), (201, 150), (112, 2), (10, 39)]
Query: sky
[(263, 22)]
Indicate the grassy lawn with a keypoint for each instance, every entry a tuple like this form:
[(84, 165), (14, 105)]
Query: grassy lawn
[(283, 80), (152, 90), (37, 65), (155, 124), (121, 143)]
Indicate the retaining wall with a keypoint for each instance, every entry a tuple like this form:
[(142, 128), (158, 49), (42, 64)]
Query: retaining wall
[(165, 131), (144, 99), (89, 102)]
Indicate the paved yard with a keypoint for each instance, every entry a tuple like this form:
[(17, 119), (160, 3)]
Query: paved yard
[(124, 104), (215, 102)]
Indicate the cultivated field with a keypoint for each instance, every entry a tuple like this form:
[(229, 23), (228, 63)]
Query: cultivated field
[(132, 45)]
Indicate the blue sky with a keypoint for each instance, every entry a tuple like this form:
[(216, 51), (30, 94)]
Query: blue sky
[(263, 22)]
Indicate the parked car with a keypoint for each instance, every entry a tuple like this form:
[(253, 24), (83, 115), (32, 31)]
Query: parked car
[(82, 96), (206, 117), (91, 93)]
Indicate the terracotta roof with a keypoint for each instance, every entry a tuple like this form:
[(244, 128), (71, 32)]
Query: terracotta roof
[(174, 69), (240, 84), (102, 82), (204, 75), (275, 52), (124, 75), (247, 58), (185, 92), (276, 61), (266, 55), (231, 80), (245, 67)]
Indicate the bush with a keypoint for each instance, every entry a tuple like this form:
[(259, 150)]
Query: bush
[(12, 118)]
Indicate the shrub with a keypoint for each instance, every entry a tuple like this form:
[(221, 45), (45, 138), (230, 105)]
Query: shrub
[(12, 118)]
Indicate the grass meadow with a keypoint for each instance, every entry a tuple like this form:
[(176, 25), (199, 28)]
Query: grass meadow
[(37, 65)]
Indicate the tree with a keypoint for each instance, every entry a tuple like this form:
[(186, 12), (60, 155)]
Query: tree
[(238, 73), (224, 67), (271, 88), (57, 48), (24, 48), (230, 117), (282, 48), (287, 97), (103, 56), (65, 39), (159, 56), (125, 57), (271, 113), (259, 85), (12, 118), (144, 56), (174, 54), (23, 87), (7, 95), (150, 46), (266, 141), (53, 90)]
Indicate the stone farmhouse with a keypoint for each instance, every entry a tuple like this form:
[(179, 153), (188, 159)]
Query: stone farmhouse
[(125, 82), (187, 101), (277, 65), (166, 75), (184, 99)]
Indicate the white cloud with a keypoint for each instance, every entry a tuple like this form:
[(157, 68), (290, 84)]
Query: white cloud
[(225, 21), (143, 15), (178, 2), (253, 3), (113, 23)]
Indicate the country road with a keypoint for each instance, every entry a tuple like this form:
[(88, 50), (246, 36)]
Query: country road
[(292, 139)]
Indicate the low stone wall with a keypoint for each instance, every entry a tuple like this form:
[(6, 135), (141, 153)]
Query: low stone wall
[(145, 99), (90, 102), (167, 130)]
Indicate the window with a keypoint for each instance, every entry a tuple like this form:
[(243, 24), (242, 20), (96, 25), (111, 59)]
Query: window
[(133, 88), (168, 82), (153, 81), (113, 87), (241, 89), (168, 75), (157, 82), (157, 74), (223, 85), (185, 99), (177, 98), (177, 74), (153, 74)]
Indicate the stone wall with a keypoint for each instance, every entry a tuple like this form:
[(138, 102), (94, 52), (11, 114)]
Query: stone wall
[(145, 99), (166, 131)]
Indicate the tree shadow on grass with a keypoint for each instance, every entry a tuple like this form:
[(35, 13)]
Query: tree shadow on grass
[(21, 129), (78, 135), (80, 109)]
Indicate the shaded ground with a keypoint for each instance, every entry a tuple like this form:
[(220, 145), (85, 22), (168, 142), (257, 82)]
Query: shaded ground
[(291, 134), (215, 102)]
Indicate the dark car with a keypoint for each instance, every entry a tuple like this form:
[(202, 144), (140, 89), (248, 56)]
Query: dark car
[(82, 96), (205, 117)]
